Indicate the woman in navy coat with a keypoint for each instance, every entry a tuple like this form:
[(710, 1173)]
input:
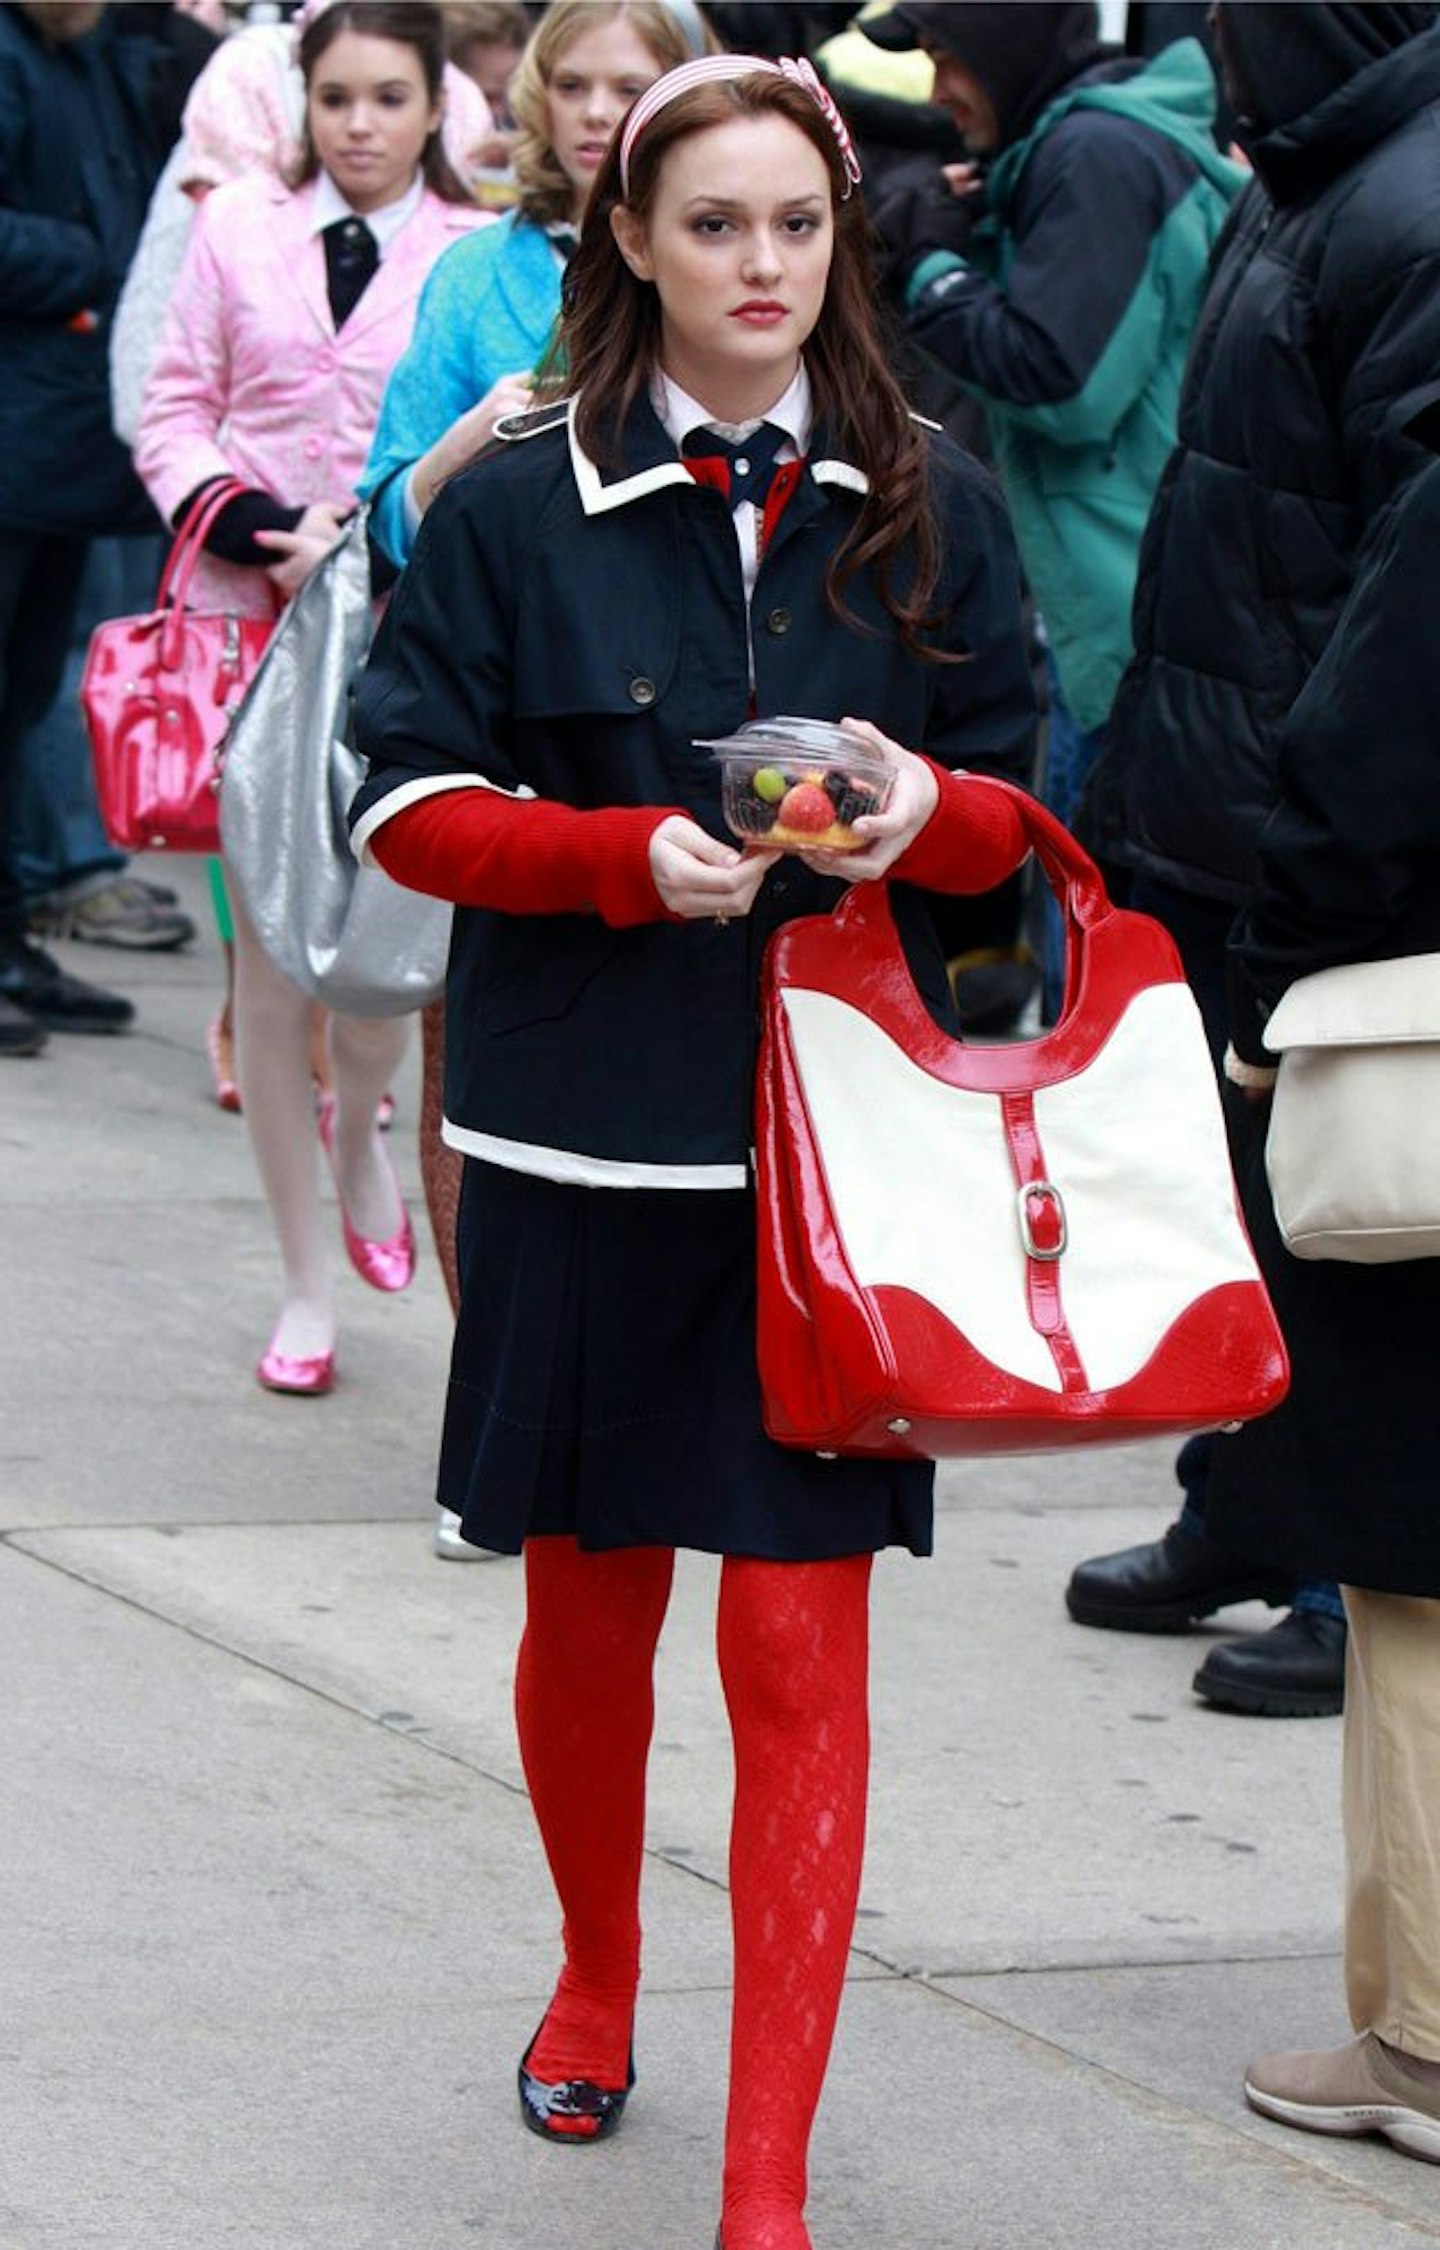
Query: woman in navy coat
[(584, 605)]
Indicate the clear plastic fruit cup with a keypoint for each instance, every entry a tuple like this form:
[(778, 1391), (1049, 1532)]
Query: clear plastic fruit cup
[(798, 785)]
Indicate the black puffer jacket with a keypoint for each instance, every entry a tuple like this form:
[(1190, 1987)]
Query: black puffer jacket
[(1340, 1481), (1320, 330), (1350, 857)]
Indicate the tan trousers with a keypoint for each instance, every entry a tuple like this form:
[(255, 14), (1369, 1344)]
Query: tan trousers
[(1392, 1819)]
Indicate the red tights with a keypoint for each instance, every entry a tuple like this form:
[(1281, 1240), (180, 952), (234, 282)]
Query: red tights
[(794, 1649)]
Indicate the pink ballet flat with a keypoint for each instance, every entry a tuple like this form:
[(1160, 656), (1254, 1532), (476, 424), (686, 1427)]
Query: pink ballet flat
[(300, 1377), (220, 1048), (388, 1265)]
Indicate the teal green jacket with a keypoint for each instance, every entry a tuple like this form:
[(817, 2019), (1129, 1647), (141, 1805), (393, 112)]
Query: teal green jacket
[(486, 310), (1071, 322)]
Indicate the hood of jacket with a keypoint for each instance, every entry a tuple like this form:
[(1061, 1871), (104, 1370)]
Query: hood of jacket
[(1315, 86), (1021, 56), (1174, 94)]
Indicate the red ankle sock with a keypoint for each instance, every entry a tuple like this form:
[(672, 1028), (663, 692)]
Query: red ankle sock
[(794, 1653), (584, 1707)]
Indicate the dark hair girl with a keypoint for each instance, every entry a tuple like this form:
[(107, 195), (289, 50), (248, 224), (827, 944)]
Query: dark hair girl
[(293, 304), (632, 569), (411, 23), (611, 330)]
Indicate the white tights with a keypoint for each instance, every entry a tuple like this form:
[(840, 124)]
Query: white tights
[(272, 1052)]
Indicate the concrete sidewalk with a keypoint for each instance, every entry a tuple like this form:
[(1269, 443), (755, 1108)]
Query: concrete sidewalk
[(275, 1924)]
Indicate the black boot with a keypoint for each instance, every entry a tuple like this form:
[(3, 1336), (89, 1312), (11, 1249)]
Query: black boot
[(36, 983), (19, 1034), (1168, 1585), (1295, 1671)]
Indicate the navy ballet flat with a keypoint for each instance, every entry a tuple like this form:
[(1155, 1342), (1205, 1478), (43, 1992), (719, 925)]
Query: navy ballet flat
[(547, 2109)]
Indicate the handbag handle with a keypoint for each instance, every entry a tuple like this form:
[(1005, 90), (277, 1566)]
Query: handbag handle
[(184, 554), (1077, 882), (1073, 876), (857, 953)]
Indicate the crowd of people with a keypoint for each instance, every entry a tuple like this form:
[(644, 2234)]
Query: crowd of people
[(1051, 415)]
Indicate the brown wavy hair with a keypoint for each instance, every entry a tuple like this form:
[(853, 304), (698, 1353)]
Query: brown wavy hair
[(609, 340), (418, 24)]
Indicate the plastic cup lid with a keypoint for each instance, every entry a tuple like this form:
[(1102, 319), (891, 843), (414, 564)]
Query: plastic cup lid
[(815, 740)]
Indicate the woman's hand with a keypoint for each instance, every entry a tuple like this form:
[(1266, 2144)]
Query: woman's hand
[(699, 877), (886, 835), (512, 394), (1254, 1083), (301, 549)]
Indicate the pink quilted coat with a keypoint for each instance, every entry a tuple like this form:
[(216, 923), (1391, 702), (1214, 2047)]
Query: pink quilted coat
[(251, 377)]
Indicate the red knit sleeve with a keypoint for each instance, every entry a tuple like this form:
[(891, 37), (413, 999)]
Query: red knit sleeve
[(526, 855), (972, 840)]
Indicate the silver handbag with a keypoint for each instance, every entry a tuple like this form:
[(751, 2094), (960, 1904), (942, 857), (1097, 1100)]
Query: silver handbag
[(1352, 1153), (344, 933)]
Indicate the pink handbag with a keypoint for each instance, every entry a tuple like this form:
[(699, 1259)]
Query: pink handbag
[(158, 694), (1002, 1249)]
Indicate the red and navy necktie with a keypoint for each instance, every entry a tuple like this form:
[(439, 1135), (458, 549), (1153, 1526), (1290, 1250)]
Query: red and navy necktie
[(750, 466)]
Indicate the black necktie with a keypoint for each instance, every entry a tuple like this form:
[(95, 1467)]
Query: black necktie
[(751, 463), (351, 256)]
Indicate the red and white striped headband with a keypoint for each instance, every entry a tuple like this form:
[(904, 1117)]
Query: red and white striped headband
[(710, 68)]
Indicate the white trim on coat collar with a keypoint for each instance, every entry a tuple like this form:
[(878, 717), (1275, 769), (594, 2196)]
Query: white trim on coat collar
[(597, 497), (846, 473), (840, 472)]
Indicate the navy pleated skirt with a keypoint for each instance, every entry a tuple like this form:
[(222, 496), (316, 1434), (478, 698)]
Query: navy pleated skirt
[(604, 1385)]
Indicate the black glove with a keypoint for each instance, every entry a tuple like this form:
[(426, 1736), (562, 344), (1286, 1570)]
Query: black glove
[(917, 218)]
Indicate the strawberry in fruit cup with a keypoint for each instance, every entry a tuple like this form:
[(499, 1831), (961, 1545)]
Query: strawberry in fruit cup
[(806, 808)]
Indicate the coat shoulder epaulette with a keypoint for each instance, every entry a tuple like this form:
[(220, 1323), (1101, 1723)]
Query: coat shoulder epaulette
[(512, 428)]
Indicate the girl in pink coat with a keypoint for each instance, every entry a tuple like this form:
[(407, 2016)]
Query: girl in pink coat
[(294, 303)]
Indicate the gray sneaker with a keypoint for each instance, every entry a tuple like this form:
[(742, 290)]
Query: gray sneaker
[(1359, 2088), (123, 912)]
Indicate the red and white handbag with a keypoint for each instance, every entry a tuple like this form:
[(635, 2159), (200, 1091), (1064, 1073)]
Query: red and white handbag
[(1003, 1249)]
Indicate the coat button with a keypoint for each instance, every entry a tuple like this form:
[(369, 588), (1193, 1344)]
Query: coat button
[(779, 621), (643, 691), (314, 447)]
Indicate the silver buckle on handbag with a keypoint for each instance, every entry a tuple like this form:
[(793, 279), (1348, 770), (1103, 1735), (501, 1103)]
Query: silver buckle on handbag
[(1044, 1233)]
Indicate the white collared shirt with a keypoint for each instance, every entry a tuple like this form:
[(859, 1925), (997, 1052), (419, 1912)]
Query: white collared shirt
[(385, 224), (793, 413)]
